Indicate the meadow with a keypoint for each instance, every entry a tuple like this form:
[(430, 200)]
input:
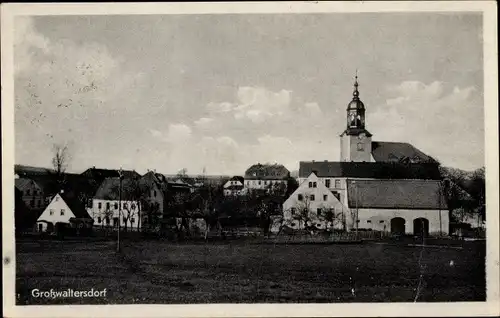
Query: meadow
[(240, 271)]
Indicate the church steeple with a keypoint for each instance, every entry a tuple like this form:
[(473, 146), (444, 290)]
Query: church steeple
[(356, 109), (355, 141)]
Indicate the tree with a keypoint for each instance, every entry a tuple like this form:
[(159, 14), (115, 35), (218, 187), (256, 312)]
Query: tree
[(183, 176), (303, 212), (60, 161), (331, 217)]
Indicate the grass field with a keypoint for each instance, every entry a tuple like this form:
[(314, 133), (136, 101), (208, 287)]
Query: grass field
[(240, 272)]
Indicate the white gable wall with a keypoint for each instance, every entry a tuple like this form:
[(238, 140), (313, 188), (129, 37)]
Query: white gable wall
[(56, 206), (319, 192)]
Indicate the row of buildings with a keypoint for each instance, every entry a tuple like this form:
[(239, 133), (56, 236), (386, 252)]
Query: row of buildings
[(386, 186)]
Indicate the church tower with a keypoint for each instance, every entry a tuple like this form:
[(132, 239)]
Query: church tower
[(356, 141)]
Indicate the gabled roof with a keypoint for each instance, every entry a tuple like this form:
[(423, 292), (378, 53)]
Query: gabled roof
[(369, 170), (75, 206), (267, 172), (396, 194), (237, 178), (383, 151), (24, 183), (109, 189)]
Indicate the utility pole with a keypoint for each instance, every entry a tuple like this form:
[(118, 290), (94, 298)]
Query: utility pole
[(119, 208)]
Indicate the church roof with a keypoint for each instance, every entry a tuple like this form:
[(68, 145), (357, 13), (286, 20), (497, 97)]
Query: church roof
[(396, 194), (372, 170), (396, 151)]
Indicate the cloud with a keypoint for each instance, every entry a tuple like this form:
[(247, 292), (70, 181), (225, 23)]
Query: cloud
[(419, 113), (203, 121)]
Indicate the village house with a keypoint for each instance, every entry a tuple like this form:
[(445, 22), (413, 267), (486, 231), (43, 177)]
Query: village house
[(262, 176), (158, 189), (379, 167), (314, 197), (32, 193), (106, 210), (234, 186), (62, 209)]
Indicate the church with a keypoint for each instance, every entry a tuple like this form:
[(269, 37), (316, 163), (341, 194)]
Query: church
[(376, 185)]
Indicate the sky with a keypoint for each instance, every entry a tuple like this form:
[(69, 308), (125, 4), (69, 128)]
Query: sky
[(218, 93)]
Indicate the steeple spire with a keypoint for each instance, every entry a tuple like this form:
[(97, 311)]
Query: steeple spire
[(356, 92)]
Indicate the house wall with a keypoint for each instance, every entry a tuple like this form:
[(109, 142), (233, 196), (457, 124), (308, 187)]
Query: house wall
[(229, 192), (56, 206), (319, 202), (262, 184), (336, 184), (33, 196), (380, 219), (99, 211)]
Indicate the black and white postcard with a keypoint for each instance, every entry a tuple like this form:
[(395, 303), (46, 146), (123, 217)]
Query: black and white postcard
[(250, 159)]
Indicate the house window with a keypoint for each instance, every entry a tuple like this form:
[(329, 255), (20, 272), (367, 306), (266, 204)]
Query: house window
[(327, 183), (116, 205), (99, 220), (57, 198), (99, 205), (133, 206), (115, 222), (51, 212), (381, 221), (310, 184), (259, 182), (300, 197), (337, 184), (293, 211), (132, 220), (312, 197), (28, 192), (154, 193), (360, 146), (314, 184), (62, 211), (325, 197), (369, 221), (107, 220), (318, 212), (125, 220), (107, 205), (248, 183), (125, 205)]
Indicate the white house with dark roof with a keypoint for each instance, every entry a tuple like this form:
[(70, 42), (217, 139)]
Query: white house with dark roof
[(234, 186), (384, 182), (314, 196), (262, 176), (106, 210), (61, 209), (398, 206)]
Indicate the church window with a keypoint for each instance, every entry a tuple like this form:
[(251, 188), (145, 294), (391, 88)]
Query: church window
[(360, 146)]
